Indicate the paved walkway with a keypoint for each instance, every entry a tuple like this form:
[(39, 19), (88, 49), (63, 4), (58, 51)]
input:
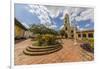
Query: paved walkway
[(69, 53)]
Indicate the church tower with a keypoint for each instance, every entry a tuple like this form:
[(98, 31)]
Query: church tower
[(67, 27)]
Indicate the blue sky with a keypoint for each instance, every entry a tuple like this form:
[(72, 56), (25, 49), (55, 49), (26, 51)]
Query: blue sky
[(53, 16)]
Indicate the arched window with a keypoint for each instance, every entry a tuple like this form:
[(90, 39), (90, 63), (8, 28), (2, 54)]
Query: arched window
[(90, 35), (79, 35), (71, 31), (65, 21), (72, 36), (66, 28), (84, 35)]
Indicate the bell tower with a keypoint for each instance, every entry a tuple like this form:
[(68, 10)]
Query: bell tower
[(67, 27)]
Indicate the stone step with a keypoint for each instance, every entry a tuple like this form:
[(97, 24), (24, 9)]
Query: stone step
[(43, 47), (39, 50), (31, 53)]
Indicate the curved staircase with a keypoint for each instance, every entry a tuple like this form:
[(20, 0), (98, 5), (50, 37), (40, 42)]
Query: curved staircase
[(35, 50)]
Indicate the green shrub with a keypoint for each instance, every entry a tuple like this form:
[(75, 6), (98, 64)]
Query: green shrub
[(46, 39), (39, 40), (49, 39), (91, 41), (44, 35), (85, 39)]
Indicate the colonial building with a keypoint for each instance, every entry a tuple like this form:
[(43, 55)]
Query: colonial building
[(71, 32), (21, 31), (85, 34)]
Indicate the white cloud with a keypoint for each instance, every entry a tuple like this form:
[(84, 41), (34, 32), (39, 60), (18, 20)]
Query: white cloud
[(71, 11), (86, 15), (61, 27), (87, 25), (54, 11), (42, 13), (74, 12), (53, 26), (55, 15), (25, 24), (65, 11), (78, 27), (45, 12)]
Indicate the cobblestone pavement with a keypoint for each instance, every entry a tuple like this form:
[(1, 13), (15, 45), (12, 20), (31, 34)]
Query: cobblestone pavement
[(69, 53)]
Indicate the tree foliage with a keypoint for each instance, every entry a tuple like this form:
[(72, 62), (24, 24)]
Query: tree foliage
[(41, 29)]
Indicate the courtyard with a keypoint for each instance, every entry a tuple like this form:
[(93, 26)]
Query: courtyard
[(44, 35), (69, 53)]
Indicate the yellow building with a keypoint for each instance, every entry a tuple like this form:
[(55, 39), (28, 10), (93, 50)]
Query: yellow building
[(19, 29), (88, 34)]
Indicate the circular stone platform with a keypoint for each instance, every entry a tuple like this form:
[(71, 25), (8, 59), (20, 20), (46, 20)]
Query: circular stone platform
[(41, 50)]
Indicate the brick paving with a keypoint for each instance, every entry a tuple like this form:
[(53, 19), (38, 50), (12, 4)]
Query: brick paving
[(69, 53)]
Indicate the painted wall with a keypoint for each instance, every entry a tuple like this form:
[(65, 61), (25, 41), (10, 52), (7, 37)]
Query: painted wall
[(19, 31), (86, 33)]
